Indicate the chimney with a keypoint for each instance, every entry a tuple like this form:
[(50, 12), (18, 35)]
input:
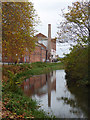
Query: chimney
[(49, 42)]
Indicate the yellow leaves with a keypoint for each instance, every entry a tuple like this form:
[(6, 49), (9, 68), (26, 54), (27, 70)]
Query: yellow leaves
[(0, 114), (18, 21), (8, 0), (11, 117), (20, 116), (30, 117), (14, 113), (77, 18), (76, 11), (17, 82)]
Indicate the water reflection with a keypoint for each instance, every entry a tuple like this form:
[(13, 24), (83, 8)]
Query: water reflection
[(40, 85), (81, 98), (54, 95), (51, 80)]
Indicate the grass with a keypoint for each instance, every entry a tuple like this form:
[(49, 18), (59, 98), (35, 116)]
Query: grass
[(40, 68), (15, 103), (18, 106)]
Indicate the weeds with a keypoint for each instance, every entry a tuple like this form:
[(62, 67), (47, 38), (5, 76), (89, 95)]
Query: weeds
[(15, 103)]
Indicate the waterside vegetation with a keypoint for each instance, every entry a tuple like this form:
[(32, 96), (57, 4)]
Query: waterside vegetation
[(76, 66), (15, 103)]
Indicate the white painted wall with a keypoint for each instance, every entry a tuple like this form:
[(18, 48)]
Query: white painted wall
[(44, 42), (53, 52)]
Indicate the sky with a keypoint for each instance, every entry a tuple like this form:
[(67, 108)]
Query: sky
[(49, 12)]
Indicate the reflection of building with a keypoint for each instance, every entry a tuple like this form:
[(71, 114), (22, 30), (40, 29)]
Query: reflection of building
[(31, 84), (40, 84)]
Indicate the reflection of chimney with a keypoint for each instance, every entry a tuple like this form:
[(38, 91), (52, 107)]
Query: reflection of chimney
[(49, 89), (49, 42)]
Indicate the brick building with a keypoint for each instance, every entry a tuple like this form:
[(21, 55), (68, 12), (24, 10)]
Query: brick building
[(44, 40), (38, 55), (40, 52)]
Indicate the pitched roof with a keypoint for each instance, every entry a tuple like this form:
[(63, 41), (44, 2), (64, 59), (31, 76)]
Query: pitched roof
[(40, 35), (40, 44)]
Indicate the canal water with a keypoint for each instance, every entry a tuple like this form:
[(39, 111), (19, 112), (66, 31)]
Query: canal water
[(53, 95)]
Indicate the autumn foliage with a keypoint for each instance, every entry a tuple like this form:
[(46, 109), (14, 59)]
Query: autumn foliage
[(18, 28), (75, 26)]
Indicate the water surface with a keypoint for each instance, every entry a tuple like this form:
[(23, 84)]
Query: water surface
[(54, 96)]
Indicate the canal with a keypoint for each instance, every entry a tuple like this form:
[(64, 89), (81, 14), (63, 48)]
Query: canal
[(55, 97)]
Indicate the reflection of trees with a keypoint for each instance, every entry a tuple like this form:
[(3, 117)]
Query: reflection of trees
[(72, 103), (81, 99)]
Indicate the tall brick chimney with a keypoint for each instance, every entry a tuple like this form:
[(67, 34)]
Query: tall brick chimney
[(49, 43)]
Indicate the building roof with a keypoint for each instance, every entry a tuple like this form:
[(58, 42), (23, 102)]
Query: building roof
[(41, 45), (40, 35)]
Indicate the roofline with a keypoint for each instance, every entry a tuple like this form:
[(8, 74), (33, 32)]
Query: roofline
[(41, 44), (41, 34)]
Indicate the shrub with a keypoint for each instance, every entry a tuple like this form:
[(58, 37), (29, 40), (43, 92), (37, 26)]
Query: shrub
[(76, 66)]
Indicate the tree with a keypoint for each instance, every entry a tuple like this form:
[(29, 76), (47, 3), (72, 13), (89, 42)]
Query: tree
[(76, 66), (76, 23), (18, 27)]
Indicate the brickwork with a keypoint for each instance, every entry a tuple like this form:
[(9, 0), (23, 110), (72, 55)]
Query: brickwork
[(53, 44), (7, 59), (44, 40), (38, 55)]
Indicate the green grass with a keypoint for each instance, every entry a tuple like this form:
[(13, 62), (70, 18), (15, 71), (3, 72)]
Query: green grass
[(35, 69)]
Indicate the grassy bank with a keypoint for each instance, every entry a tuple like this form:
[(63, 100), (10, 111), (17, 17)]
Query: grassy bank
[(15, 103)]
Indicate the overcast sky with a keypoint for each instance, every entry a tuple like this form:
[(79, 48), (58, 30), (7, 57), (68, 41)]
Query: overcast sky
[(49, 12)]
